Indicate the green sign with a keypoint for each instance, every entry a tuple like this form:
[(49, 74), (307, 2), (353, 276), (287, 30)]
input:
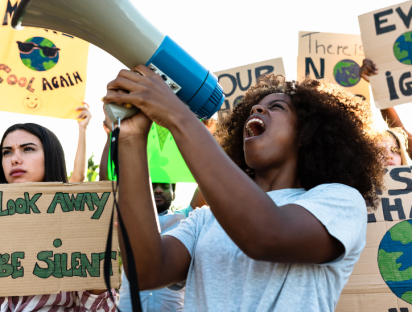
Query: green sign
[(166, 164)]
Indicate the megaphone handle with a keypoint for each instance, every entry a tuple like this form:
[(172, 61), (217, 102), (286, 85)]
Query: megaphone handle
[(115, 111)]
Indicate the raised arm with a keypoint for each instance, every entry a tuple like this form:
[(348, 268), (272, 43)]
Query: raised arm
[(159, 261), (393, 119), (390, 115), (266, 232), (79, 170)]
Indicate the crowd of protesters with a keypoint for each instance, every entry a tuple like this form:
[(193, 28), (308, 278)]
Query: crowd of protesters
[(279, 218)]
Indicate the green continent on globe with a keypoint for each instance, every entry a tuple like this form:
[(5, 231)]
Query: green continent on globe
[(341, 65), (407, 296), (402, 48), (400, 54), (402, 232), (48, 65), (390, 269), (27, 62)]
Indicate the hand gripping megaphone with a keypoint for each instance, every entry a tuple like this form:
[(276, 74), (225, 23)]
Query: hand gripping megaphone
[(117, 27)]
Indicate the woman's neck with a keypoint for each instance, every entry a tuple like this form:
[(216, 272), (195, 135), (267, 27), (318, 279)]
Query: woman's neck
[(278, 178)]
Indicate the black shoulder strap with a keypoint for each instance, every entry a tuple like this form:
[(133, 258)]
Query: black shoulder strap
[(134, 284)]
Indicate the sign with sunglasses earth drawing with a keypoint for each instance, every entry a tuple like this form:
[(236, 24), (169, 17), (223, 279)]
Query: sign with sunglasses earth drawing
[(42, 72), (38, 53)]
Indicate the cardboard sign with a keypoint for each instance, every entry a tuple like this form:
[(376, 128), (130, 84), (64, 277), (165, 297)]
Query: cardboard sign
[(236, 81), (382, 279), (386, 36), (335, 57), (54, 237), (42, 72)]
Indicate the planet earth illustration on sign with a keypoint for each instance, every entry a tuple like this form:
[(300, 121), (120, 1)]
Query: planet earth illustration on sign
[(38, 53), (346, 73), (402, 48), (395, 259)]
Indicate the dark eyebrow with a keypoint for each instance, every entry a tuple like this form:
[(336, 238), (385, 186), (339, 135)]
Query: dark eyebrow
[(23, 145), (27, 144)]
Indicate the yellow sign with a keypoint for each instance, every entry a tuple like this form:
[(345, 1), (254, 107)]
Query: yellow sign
[(42, 72)]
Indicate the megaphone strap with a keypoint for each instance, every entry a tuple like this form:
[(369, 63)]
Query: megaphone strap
[(132, 276)]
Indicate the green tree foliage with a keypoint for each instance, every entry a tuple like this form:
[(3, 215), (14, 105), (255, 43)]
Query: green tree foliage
[(91, 169)]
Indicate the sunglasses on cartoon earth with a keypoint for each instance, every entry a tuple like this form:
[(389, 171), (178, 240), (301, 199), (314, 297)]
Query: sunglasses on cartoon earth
[(28, 47)]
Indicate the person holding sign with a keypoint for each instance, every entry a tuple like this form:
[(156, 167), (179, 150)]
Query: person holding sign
[(396, 146), (390, 115), (32, 153), (287, 218)]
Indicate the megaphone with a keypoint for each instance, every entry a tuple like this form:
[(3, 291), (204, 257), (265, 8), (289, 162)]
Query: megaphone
[(117, 27)]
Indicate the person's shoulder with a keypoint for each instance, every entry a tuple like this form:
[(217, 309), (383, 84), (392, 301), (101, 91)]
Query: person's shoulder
[(183, 211), (336, 190), (341, 198), (202, 212)]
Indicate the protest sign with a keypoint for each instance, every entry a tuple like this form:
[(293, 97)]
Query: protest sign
[(382, 279), (166, 164), (386, 36), (42, 72), (335, 57), (54, 237), (236, 81)]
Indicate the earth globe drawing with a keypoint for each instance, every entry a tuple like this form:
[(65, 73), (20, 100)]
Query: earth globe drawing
[(402, 48), (395, 259), (38, 53), (346, 73)]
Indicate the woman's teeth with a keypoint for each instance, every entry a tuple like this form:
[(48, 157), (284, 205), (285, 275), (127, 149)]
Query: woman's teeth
[(254, 120)]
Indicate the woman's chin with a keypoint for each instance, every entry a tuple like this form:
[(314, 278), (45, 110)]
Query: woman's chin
[(19, 180)]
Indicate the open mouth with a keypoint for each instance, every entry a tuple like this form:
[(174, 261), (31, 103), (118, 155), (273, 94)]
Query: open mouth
[(255, 127)]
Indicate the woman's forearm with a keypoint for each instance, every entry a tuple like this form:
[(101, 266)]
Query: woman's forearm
[(79, 170), (138, 211)]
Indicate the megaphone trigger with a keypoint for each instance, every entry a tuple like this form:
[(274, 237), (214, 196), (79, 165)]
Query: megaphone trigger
[(115, 111)]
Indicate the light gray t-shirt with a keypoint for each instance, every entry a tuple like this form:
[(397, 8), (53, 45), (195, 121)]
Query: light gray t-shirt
[(222, 278)]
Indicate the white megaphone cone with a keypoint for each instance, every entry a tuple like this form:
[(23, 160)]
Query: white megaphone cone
[(117, 27)]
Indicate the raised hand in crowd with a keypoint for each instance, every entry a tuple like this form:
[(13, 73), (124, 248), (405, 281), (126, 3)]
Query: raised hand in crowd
[(390, 115), (83, 119), (368, 69)]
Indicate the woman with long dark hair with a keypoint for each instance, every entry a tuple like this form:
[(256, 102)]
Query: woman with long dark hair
[(287, 218), (32, 153)]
